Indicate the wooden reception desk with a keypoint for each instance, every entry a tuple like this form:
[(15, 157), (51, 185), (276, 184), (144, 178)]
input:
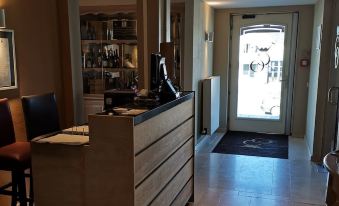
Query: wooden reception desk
[(143, 160)]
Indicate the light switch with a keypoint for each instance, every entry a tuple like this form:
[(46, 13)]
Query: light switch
[(304, 62)]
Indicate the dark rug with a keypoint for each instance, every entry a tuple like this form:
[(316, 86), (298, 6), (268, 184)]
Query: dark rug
[(253, 144)]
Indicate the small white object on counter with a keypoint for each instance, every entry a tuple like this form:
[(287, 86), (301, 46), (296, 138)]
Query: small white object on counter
[(81, 130), (120, 110), (134, 112), (66, 139)]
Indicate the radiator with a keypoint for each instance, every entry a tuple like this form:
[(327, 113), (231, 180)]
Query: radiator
[(211, 104)]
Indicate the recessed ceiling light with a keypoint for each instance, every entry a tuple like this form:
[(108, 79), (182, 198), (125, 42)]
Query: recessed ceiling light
[(216, 3)]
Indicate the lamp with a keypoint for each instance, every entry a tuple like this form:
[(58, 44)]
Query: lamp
[(2, 19)]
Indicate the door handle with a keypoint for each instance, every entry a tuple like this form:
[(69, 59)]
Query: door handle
[(330, 95)]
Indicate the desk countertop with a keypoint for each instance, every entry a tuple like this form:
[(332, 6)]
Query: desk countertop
[(155, 109)]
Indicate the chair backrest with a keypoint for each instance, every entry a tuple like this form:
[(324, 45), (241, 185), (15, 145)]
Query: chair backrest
[(7, 135), (41, 115)]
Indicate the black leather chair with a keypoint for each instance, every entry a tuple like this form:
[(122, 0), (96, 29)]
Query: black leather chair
[(14, 157), (41, 115)]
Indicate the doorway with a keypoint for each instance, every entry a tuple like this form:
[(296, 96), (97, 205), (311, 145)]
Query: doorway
[(261, 74)]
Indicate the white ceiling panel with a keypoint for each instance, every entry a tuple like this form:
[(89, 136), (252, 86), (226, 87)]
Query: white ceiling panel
[(256, 3), (106, 2)]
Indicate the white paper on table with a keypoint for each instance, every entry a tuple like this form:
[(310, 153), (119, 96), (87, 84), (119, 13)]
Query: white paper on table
[(66, 139)]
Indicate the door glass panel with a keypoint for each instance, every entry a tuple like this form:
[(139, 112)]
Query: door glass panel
[(261, 57)]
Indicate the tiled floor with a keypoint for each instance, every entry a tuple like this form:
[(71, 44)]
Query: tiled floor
[(236, 180)]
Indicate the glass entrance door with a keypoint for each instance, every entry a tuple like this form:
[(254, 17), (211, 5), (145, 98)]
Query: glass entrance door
[(261, 56), (259, 72)]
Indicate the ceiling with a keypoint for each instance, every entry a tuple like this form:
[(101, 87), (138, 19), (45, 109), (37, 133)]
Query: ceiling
[(213, 3), (105, 2), (256, 3)]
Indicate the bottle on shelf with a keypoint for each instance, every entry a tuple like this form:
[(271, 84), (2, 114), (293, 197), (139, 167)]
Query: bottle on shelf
[(94, 59), (116, 59), (104, 59), (94, 35), (99, 58), (83, 30), (112, 34), (104, 33), (110, 59), (89, 59), (109, 30), (108, 33), (88, 33), (83, 61)]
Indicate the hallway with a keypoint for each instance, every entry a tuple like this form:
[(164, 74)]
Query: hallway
[(236, 180)]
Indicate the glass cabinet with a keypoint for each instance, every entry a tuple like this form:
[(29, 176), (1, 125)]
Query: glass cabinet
[(108, 52)]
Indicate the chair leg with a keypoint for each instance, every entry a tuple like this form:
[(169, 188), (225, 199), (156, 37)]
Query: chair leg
[(31, 192), (22, 188), (14, 188)]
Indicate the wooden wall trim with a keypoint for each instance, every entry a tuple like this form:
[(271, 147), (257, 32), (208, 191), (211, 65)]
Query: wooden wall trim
[(67, 110), (142, 44), (107, 9)]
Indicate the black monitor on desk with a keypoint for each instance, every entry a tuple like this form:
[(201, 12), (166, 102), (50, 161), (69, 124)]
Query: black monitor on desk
[(155, 71), (160, 83)]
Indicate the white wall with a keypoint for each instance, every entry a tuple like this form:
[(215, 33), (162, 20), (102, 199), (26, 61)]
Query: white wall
[(314, 75), (199, 18), (221, 59)]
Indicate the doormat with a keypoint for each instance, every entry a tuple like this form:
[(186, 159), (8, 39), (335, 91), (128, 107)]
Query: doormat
[(253, 144)]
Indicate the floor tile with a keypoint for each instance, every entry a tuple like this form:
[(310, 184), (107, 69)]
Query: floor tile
[(269, 202), (225, 179), (229, 200), (305, 204)]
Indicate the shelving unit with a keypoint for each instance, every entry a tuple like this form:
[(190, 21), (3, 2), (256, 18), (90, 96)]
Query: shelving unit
[(109, 51), (128, 42), (177, 38), (111, 69)]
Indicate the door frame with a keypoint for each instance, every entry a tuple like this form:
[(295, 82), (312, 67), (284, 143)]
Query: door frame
[(330, 124), (292, 77), (292, 66)]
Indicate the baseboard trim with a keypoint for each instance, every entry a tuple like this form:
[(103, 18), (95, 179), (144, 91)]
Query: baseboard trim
[(222, 130), (308, 148), (201, 140)]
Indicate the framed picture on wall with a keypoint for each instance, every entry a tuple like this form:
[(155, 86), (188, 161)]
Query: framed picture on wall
[(8, 76)]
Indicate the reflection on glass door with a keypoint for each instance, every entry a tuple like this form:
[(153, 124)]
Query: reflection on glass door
[(260, 75)]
